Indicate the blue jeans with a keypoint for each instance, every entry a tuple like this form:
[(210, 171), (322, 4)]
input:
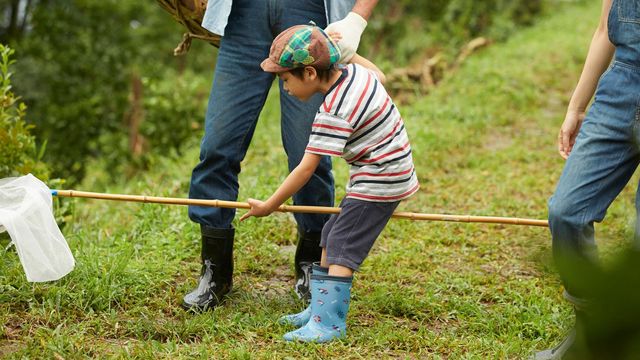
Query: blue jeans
[(601, 163), (239, 91)]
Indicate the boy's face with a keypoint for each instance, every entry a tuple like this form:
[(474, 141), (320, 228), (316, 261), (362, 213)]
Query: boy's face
[(302, 88)]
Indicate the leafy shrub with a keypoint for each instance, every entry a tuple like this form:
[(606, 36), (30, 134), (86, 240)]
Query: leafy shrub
[(166, 119), (174, 110), (77, 61), (401, 30), (19, 154)]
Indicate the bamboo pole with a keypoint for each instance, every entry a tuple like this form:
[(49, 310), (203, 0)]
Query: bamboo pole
[(296, 208)]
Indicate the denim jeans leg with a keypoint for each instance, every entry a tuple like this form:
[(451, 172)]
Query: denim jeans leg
[(600, 165), (239, 91), (300, 12), (296, 120)]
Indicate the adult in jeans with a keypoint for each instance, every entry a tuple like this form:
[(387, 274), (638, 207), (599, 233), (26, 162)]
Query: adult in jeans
[(602, 153), (239, 91)]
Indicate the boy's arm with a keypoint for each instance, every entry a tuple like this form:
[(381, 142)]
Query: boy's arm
[(598, 58), (294, 182), (360, 60)]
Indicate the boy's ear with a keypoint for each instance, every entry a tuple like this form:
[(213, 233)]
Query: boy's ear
[(310, 73)]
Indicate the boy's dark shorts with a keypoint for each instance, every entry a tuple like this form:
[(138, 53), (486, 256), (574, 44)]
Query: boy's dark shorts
[(349, 236)]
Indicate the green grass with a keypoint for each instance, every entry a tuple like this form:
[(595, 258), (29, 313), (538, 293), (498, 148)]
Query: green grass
[(483, 144)]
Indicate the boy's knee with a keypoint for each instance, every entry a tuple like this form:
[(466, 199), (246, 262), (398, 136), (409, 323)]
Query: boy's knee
[(562, 211)]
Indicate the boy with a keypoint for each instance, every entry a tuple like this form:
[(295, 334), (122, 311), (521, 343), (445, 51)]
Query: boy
[(359, 122)]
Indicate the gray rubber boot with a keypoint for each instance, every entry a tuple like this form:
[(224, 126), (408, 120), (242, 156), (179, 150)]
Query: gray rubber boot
[(558, 352), (567, 348)]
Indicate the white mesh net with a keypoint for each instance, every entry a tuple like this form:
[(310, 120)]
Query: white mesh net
[(27, 215)]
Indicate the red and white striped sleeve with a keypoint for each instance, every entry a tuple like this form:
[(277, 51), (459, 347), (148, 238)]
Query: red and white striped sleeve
[(329, 134)]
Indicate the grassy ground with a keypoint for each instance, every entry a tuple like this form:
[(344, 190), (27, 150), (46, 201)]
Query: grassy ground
[(483, 145)]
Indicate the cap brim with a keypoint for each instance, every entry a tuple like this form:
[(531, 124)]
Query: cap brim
[(269, 65)]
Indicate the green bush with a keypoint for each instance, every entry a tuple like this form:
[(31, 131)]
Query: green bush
[(77, 62), (400, 31), (170, 117), (174, 109), (19, 154)]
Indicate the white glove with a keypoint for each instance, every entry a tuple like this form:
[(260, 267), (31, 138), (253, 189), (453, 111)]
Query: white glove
[(351, 28)]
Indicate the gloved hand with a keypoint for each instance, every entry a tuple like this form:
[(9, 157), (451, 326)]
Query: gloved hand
[(351, 28)]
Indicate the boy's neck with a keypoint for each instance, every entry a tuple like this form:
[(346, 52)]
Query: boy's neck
[(325, 86)]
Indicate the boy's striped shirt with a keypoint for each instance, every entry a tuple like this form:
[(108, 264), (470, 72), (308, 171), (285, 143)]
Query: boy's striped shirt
[(359, 122)]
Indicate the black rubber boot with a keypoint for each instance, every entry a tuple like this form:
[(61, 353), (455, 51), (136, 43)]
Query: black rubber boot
[(216, 276), (308, 251)]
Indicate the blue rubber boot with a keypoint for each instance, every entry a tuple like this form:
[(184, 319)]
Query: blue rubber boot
[(330, 297), (301, 318)]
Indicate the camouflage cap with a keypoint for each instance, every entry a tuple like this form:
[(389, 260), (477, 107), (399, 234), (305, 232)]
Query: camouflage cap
[(299, 46)]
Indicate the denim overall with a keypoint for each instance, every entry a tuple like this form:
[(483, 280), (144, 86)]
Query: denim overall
[(606, 151), (238, 94)]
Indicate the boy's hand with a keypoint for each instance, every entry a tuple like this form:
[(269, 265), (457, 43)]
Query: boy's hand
[(258, 209), (569, 132)]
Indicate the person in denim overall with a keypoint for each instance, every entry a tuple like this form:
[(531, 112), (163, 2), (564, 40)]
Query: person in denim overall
[(239, 91), (601, 151)]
